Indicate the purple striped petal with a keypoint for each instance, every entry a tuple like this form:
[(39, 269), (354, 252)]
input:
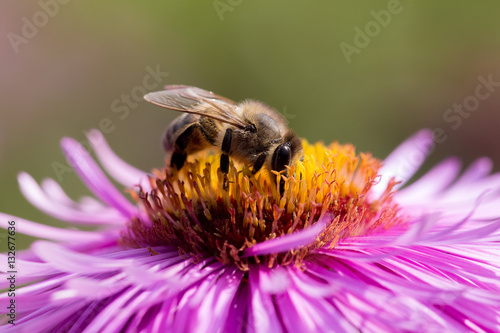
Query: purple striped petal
[(404, 161), (57, 234), (72, 262), (121, 171), (95, 179), (432, 183), (34, 194), (288, 242)]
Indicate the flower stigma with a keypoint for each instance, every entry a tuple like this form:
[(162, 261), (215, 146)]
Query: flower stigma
[(193, 212)]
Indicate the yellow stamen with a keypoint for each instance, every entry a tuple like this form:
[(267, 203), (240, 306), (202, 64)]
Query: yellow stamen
[(195, 213)]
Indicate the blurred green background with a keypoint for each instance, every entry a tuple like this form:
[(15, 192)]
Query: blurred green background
[(402, 73)]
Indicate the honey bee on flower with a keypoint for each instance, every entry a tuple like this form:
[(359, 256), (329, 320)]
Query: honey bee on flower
[(250, 132)]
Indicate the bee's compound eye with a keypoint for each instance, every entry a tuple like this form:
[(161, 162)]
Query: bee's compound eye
[(281, 157)]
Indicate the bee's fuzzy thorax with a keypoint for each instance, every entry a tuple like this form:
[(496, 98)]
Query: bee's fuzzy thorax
[(195, 214)]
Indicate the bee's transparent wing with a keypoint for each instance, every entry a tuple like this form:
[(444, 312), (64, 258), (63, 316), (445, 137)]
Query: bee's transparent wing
[(198, 101)]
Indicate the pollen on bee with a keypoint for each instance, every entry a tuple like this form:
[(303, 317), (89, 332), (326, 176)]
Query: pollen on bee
[(194, 212)]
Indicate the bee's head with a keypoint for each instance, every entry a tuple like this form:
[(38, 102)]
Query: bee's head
[(287, 153)]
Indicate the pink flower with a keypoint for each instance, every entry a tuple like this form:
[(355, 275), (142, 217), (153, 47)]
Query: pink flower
[(344, 249)]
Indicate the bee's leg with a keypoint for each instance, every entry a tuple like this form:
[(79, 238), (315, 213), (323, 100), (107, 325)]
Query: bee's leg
[(224, 159), (178, 160), (179, 155), (259, 163)]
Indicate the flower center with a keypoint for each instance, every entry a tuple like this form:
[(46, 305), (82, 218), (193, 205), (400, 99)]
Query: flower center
[(194, 213)]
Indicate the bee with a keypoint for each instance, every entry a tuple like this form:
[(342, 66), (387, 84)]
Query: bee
[(249, 132)]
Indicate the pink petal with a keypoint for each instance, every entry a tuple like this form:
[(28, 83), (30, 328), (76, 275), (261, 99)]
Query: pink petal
[(263, 316), (72, 262), (39, 199), (94, 178), (213, 310), (123, 172), (405, 160), (288, 242), (476, 171), (107, 315), (26, 268), (57, 234), (432, 183)]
